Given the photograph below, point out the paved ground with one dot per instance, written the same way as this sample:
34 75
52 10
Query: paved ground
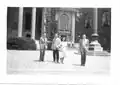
26 62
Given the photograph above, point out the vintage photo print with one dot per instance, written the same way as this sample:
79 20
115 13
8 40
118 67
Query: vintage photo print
58 40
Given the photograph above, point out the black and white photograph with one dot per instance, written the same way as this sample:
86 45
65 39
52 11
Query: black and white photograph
58 40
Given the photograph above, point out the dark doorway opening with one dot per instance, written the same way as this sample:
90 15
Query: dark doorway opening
28 21
38 23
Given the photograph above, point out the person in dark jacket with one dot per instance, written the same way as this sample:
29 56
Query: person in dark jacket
56 44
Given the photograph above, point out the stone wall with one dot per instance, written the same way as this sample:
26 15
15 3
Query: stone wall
104 31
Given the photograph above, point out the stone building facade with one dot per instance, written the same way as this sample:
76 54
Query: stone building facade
68 22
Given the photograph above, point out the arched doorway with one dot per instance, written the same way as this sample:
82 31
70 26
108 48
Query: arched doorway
64 22
64 26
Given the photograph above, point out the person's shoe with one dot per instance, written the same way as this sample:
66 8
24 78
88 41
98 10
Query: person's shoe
82 64
41 60
55 62
58 62
62 63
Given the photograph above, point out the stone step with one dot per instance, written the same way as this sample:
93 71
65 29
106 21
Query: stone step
95 46
98 53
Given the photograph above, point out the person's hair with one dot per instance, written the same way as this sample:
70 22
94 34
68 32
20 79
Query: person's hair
84 35
57 34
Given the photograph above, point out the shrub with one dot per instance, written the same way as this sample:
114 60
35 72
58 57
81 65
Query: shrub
20 43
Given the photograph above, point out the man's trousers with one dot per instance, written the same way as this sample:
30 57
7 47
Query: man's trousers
83 57
56 55
42 54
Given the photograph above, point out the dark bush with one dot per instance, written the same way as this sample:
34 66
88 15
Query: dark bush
20 43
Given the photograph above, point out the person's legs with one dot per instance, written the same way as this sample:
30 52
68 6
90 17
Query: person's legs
81 58
84 59
53 55
62 59
41 55
63 55
57 54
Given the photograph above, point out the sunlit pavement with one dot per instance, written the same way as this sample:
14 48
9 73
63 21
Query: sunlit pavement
26 62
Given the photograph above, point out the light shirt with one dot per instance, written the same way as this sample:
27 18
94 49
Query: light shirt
85 42
57 42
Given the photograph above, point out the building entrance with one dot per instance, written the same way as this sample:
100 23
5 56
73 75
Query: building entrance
28 21
64 25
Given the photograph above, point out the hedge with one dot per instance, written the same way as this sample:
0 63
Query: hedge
20 43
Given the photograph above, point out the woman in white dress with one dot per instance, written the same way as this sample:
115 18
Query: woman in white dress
64 58
62 50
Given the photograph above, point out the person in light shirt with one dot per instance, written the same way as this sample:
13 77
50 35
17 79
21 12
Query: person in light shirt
84 43
56 44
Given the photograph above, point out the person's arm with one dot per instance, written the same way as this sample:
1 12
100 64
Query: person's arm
46 43
87 45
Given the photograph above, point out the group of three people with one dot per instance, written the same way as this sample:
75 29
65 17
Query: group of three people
57 47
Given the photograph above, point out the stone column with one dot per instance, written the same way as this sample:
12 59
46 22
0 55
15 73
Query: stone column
42 21
95 22
20 22
33 23
73 27
44 15
95 45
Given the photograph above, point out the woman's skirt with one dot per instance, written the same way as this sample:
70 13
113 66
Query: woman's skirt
62 52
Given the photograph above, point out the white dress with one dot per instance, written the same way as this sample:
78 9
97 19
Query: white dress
64 53
63 49
68 60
